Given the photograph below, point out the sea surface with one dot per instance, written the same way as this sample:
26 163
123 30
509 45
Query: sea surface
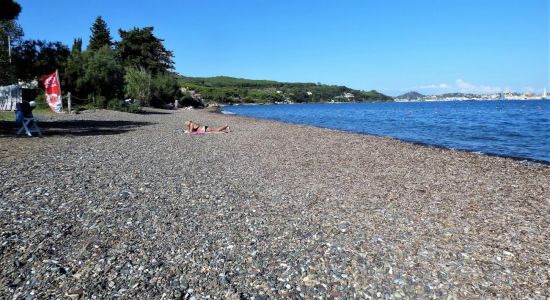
517 129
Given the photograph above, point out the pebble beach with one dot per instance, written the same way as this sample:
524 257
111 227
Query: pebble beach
116 205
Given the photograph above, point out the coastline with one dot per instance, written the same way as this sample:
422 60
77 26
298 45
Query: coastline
270 209
530 158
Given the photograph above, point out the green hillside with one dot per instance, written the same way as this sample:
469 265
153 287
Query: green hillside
411 96
229 90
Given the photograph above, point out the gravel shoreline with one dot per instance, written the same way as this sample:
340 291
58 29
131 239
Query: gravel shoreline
116 205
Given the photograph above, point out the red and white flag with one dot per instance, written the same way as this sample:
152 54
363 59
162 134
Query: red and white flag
53 91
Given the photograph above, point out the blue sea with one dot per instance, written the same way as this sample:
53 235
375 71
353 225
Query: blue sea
517 129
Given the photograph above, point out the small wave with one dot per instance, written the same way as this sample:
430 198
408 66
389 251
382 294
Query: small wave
225 112
459 126
534 163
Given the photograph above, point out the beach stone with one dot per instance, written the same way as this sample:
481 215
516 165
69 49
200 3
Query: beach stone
115 205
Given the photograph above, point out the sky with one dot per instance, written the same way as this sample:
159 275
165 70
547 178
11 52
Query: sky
392 46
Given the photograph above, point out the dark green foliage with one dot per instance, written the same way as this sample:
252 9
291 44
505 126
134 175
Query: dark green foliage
164 89
225 81
223 89
133 108
119 105
102 75
74 70
100 35
10 10
7 70
94 74
34 58
77 46
375 96
139 48
137 85
188 100
263 96
98 102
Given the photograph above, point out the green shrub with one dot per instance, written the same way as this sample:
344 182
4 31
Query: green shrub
100 102
116 105
164 89
138 85
133 108
119 105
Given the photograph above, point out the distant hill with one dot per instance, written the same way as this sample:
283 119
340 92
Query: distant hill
411 96
230 90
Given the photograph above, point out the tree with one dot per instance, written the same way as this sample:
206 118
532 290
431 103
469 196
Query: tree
12 32
100 35
77 46
10 10
139 48
34 58
9 30
138 84
164 89
103 74
74 70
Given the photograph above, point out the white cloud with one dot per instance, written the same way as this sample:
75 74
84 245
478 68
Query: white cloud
462 86
435 86
466 87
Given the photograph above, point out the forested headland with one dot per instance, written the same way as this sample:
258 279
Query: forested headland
222 89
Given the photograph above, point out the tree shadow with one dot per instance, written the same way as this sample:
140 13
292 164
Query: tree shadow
149 112
75 127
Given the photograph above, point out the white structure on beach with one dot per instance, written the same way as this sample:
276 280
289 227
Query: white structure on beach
9 96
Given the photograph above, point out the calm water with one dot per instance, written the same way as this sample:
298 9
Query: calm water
519 129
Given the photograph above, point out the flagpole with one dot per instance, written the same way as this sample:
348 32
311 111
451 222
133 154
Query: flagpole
59 83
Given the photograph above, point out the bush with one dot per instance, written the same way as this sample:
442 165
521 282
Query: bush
119 105
133 108
164 89
138 85
102 75
188 100
100 102
116 105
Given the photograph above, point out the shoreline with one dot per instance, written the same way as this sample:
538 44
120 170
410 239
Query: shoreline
523 160
139 209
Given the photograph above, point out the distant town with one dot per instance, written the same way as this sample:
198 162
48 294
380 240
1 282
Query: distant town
415 96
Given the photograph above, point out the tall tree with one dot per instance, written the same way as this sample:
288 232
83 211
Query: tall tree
138 85
9 30
100 35
103 74
139 48
75 69
34 58
77 46
10 35
10 10
164 89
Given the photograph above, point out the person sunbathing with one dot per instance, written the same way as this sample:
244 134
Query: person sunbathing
192 127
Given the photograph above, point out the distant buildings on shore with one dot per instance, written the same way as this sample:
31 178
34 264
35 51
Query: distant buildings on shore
415 96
